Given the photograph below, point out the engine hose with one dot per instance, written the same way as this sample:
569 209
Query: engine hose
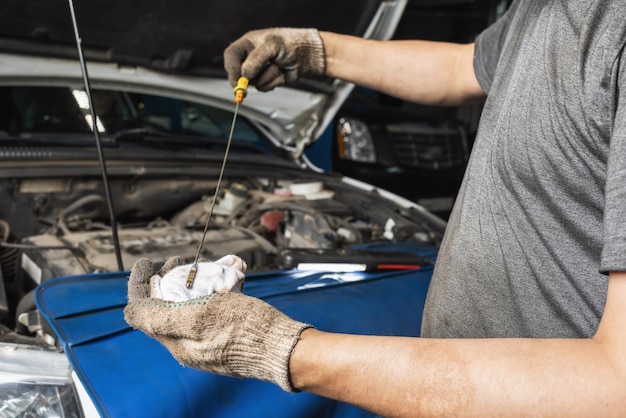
8 263
238 210
85 200
6 229
8 255
26 304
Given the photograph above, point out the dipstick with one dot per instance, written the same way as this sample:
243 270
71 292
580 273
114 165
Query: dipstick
241 90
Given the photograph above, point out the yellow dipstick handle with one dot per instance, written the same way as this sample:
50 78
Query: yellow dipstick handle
241 89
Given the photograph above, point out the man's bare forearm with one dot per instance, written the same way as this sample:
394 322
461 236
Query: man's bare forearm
408 377
398 376
426 72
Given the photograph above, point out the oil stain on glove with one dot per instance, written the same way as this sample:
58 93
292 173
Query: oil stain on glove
271 57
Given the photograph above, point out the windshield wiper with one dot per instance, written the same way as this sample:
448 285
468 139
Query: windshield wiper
139 133
79 139
153 136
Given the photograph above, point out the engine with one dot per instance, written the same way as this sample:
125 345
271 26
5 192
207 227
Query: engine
61 227
253 218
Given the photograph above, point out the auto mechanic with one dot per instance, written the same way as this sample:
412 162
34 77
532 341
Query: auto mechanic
525 314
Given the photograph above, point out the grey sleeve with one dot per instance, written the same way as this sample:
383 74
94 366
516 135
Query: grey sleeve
614 250
489 45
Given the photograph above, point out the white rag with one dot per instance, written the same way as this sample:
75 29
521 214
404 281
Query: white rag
224 275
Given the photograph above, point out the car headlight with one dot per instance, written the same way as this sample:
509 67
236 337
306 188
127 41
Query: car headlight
355 141
36 383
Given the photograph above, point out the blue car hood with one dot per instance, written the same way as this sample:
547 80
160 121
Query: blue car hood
128 374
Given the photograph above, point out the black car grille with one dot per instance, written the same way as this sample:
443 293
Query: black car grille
428 147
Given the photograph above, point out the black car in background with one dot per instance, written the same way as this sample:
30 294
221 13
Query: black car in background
418 152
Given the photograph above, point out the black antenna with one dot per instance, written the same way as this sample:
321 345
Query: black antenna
94 128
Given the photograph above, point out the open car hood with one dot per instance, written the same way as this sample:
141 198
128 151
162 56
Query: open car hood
178 45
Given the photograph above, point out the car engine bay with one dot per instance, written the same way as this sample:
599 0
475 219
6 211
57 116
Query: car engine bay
58 226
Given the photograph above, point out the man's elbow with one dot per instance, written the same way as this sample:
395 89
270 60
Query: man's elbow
465 89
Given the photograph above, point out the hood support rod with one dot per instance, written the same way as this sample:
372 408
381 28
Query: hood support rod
94 128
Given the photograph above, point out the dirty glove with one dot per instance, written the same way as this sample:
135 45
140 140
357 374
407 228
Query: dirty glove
272 57
225 333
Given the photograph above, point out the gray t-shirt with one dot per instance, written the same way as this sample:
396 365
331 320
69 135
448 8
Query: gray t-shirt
541 214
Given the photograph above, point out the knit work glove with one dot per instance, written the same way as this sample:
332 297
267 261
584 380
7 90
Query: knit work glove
271 57
225 333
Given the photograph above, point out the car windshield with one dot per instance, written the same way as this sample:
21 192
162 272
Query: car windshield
41 110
